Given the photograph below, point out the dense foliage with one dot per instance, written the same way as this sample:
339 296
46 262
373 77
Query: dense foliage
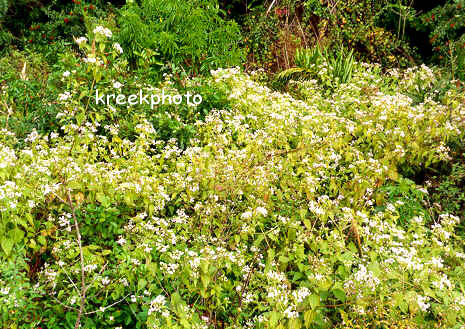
191 34
446 27
329 195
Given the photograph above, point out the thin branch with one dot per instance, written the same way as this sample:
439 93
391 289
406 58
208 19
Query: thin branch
269 8
64 305
111 305
59 198
83 277
69 278
95 279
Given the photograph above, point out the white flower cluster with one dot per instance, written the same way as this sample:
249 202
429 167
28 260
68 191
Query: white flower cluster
7 157
81 40
65 96
442 283
258 211
301 294
10 191
92 60
157 304
145 128
361 280
423 302
65 221
103 31
118 47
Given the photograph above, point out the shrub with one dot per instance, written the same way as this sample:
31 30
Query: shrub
357 25
47 26
448 192
271 217
446 27
191 34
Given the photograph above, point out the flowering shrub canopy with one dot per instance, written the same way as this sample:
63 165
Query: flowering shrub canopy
272 217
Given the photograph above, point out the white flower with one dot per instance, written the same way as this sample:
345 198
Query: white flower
117 85
390 207
437 261
66 74
64 96
156 304
422 303
290 314
5 291
118 48
262 211
301 294
105 281
103 31
246 215
81 40
91 60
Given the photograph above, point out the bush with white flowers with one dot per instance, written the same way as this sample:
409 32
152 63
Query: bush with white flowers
272 216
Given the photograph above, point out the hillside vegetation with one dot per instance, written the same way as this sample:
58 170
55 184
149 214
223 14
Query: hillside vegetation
327 192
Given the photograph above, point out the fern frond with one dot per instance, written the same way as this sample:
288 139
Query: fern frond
3 8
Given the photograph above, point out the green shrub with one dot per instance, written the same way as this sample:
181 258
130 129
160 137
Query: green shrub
48 26
409 199
448 192
253 209
17 294
358 25
27 95
446 27
189 34
261 35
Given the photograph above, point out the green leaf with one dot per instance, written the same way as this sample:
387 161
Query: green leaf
314 301
16 235
294 324
41 240
176 299
103 199
274 318
403 305
7 246
141 284
105 252
340 294
451 316
185 323
309 317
